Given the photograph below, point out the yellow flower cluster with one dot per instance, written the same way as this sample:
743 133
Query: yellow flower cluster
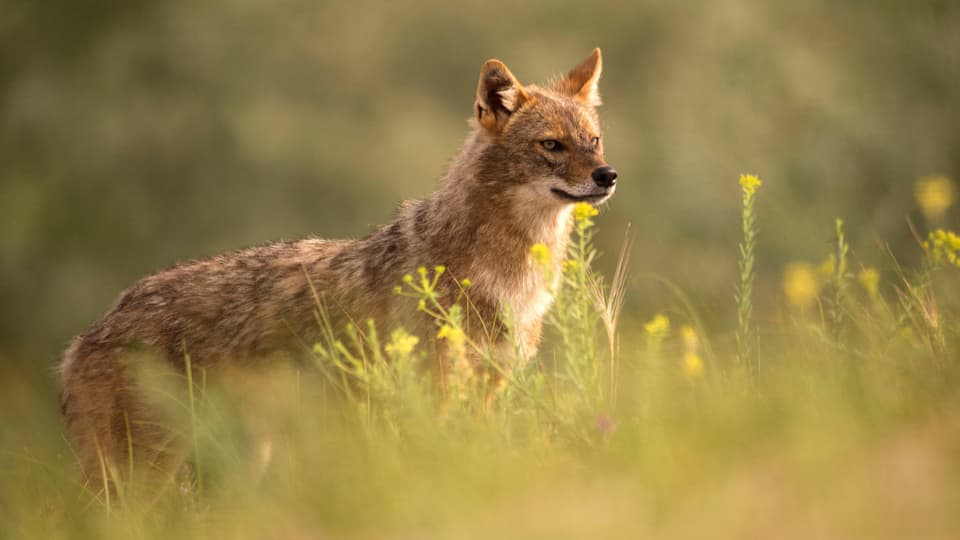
401 343
583 212
943 246
541 254
749 183
692 362
800 284
452 334
934 195
692 365
658 327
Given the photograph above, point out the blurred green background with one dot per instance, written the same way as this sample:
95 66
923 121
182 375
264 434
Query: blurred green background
137 134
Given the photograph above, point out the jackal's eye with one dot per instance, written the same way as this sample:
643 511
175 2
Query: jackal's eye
551 145
595 141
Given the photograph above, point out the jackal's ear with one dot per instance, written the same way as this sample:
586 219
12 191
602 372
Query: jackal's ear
499 94
581 82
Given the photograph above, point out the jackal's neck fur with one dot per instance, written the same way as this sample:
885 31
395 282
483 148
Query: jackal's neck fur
484 232
490 226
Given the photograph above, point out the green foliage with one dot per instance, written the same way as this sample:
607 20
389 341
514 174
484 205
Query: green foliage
581 364
839 280
746 337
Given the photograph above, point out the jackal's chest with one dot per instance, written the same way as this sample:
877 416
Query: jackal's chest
529 306
522 301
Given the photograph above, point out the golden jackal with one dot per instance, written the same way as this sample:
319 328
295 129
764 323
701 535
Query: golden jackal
533 152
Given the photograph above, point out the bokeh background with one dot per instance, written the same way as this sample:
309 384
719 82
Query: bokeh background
137 134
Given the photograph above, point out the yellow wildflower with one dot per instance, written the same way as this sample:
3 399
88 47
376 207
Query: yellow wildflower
934 195
869 278
583 212
943 247
749 183
440 269
401 343
692 362
658 327
569 265
800 283
407 278
541 254
692 365
422 305
452 334
465 283
422 271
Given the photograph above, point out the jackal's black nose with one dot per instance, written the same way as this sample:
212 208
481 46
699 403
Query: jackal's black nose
605 176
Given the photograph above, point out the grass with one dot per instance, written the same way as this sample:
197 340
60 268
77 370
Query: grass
849 430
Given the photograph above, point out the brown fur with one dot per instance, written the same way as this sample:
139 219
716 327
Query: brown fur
241 308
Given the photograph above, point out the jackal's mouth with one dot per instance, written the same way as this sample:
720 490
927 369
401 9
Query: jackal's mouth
589 197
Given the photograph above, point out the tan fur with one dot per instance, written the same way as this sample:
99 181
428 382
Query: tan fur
255 305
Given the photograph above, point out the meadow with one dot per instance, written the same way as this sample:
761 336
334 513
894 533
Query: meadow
838 419
776 358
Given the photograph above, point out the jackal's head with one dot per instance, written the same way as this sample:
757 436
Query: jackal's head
544 142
